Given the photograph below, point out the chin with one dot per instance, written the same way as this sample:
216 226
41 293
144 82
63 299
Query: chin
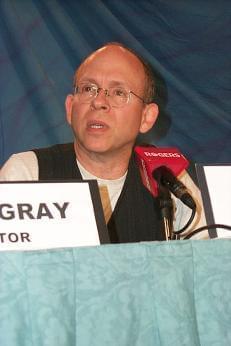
97 148
97 144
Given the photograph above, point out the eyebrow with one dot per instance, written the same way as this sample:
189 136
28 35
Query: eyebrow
88 80
111 83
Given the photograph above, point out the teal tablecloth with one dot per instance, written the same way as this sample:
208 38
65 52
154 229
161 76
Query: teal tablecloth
160 293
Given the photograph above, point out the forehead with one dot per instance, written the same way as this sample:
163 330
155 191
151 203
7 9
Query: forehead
113 63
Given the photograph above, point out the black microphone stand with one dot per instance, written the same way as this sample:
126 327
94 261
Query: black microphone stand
166 209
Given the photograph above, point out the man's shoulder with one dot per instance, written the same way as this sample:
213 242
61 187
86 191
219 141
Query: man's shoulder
57 162
20 166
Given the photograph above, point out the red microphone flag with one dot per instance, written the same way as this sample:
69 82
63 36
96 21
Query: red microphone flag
150 158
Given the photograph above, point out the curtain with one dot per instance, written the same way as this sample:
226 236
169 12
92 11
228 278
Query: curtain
187 42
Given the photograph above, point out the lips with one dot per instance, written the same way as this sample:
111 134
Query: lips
96 125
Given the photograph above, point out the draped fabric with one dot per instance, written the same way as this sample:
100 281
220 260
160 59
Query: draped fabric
148 294
187 42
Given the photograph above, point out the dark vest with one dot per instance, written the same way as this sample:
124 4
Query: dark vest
136 216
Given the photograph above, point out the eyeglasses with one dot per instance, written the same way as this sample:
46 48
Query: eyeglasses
118 96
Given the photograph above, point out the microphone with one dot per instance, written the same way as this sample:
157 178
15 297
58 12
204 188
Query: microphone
162 166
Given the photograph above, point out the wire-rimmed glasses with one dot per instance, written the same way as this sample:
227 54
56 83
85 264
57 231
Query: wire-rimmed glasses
117 95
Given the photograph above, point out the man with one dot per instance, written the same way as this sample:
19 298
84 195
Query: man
112 103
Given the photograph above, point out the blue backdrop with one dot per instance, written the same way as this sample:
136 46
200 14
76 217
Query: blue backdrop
188 42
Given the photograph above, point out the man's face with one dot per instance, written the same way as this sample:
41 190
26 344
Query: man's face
99 127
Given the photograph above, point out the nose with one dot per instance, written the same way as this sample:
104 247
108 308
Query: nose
101 100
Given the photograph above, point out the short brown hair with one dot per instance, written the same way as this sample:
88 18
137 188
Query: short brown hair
150 87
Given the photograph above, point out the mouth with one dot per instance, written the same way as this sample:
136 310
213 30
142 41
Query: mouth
96 125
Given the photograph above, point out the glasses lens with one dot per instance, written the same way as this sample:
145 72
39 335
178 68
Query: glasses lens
118 96
86 92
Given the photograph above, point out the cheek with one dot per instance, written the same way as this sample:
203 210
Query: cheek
129 126
132 118
77 113
74 119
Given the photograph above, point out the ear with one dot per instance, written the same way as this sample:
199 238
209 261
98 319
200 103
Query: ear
149 116
68 106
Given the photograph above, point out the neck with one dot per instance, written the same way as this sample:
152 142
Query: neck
105 166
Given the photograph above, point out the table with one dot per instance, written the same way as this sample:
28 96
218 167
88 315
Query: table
139 294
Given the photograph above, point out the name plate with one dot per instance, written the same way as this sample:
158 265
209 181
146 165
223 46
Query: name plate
43 215
215 185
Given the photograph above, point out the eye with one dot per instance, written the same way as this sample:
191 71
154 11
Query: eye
88 88
119 92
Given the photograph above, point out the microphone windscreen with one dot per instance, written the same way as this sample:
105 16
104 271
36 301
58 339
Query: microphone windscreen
150 158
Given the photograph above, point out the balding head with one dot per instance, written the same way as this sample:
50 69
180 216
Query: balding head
123 53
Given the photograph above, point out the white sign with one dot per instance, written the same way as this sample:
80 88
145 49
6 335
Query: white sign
42 215
217 200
